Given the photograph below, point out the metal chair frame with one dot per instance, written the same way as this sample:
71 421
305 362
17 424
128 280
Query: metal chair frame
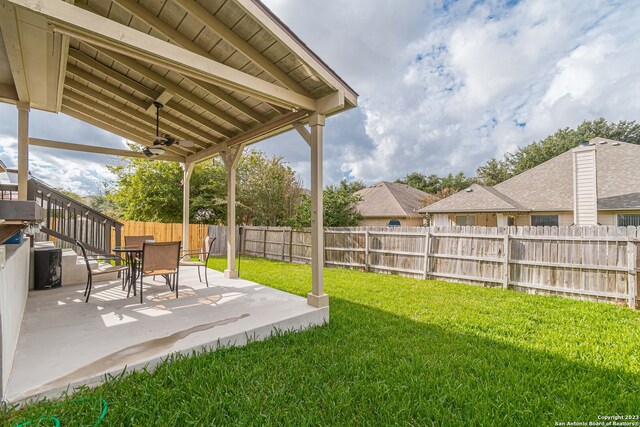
91 273
199 264
172 277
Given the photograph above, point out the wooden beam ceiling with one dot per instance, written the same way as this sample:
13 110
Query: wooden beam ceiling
103 32
168 124
111 116
272 126
78 111
241 45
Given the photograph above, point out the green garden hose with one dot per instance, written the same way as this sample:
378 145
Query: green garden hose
56 420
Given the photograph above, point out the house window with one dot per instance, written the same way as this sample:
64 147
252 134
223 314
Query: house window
464 220
511 221
628 219
544 220
394 223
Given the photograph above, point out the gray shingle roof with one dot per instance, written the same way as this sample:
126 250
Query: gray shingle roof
390 199
549 186
476 198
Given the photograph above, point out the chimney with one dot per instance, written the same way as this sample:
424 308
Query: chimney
585 191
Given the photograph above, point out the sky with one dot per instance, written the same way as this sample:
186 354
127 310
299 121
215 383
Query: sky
444 86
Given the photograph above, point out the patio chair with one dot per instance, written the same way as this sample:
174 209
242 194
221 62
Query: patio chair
91 273
203 261
137 240
161 259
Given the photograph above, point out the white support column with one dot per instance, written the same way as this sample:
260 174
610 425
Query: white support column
317 297
23 149
186 179
231 157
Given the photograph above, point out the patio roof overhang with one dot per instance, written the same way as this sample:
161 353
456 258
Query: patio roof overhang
228 72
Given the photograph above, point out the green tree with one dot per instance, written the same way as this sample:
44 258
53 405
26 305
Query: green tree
495 171
101 203
339 204
147 190
455 182
352 186
340 207
267 192
433 184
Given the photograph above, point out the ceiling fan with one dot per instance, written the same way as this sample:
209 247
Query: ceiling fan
164 140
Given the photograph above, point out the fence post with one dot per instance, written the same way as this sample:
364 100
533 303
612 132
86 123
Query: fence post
283 244
264 243
366 249
244 245
291 244
505 263
427 249
631 273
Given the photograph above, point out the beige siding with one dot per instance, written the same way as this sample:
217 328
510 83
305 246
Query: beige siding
448 220
607 218
440 220
382 222
585 193
487 220
565 219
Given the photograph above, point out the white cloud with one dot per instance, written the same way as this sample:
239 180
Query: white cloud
443 86
485 78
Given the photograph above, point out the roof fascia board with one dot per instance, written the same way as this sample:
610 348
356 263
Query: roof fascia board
473 211
284 34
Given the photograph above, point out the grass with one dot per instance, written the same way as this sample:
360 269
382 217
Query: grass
397 351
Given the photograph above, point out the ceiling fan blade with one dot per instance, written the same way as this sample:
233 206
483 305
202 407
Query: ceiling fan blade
187 143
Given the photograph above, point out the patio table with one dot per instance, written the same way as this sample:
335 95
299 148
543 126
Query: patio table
132 258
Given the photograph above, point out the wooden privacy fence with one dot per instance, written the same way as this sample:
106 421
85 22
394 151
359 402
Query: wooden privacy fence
165 232
598 263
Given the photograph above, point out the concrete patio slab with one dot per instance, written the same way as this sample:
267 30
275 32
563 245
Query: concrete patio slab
65 342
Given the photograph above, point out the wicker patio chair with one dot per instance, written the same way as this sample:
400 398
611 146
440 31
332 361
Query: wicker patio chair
161 259
203 261
91 273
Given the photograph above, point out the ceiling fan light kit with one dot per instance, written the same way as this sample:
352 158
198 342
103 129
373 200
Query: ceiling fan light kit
153 151
164 140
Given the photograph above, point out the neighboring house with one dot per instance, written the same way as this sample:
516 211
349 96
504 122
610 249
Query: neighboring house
392 204
597 183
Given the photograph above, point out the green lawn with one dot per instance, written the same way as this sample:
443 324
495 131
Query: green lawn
397 351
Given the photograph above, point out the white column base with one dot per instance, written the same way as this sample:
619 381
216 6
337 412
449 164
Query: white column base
230 274
318 301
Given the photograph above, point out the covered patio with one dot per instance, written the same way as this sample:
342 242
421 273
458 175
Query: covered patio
226 74
67 343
